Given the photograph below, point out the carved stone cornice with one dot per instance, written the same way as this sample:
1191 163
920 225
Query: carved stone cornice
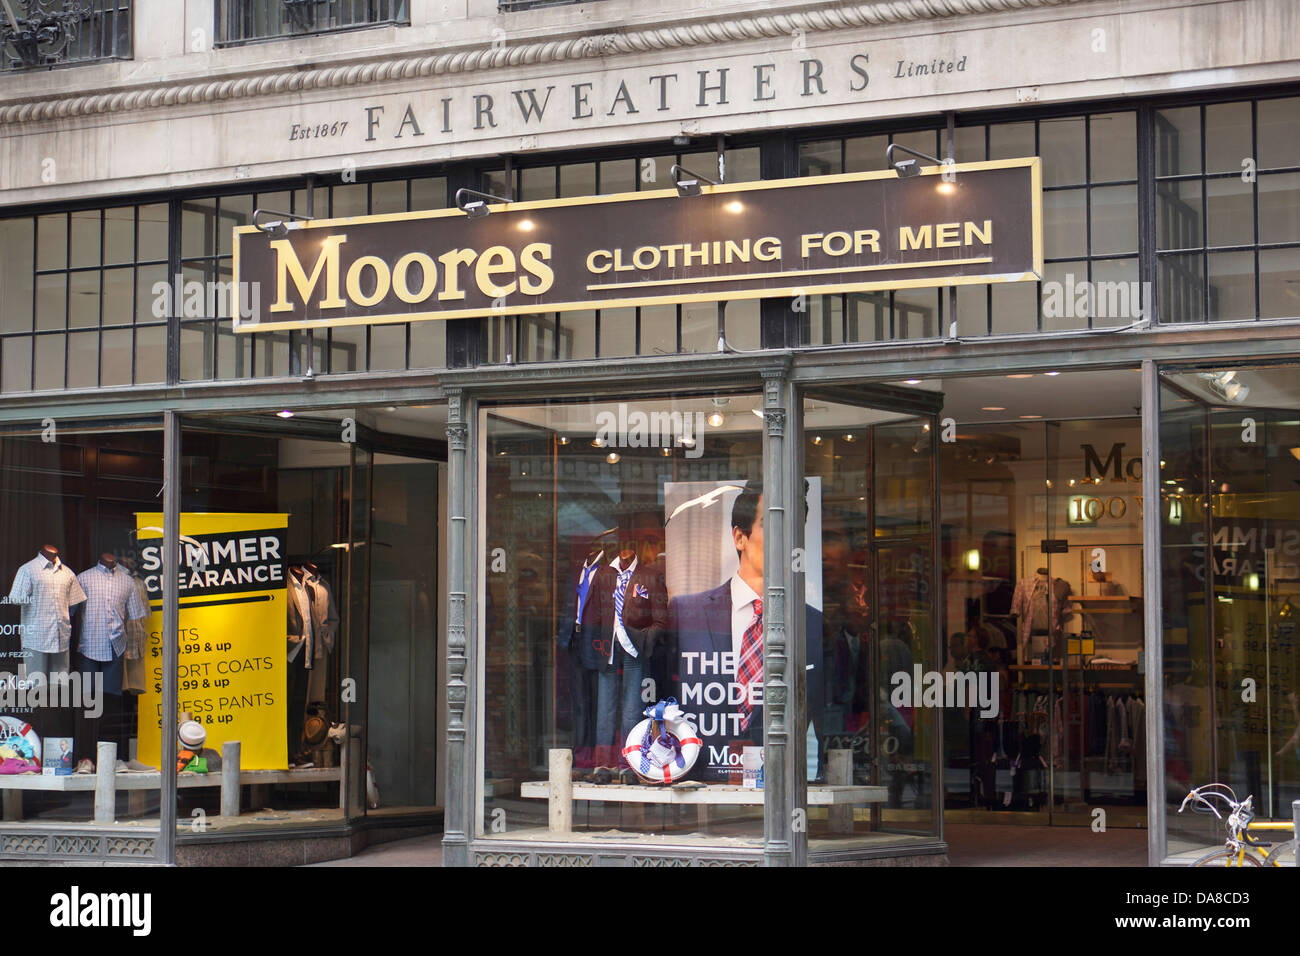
484 57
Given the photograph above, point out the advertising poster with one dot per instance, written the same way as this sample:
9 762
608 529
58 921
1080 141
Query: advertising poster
708 578
232 671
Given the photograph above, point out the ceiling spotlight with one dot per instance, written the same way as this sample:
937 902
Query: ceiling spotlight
850 438
716 419
598 442
284 414
276 228
911 381
735 206
1226 377
666 452
993 408
613 457
1022 375
817 440
688 187
474 204
1051 373
565 439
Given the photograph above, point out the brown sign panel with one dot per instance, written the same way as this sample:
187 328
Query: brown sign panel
968 223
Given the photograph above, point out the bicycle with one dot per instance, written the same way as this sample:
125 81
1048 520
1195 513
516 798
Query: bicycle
1241 848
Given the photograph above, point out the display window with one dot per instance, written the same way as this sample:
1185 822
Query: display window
78 731
1230 541
308 627
622 632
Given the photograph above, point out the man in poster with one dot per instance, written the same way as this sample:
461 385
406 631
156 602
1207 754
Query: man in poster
719 645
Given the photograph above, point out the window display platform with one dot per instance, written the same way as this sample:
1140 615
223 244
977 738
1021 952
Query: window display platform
106 788
709 794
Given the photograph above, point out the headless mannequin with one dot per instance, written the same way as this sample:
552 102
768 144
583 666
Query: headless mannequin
49 552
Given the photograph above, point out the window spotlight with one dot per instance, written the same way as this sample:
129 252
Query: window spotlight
688 187
474 204
907 168
276 228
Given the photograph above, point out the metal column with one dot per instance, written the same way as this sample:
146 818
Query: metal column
777 769
165 848
1153 643
455 841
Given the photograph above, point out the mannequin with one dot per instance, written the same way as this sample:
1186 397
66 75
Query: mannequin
111 601
137 636
579 621
1041 608
48 591
312 625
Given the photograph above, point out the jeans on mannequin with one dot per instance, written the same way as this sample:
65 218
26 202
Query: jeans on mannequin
618 707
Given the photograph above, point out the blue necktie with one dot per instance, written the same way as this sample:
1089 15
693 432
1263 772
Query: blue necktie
619 632
584 587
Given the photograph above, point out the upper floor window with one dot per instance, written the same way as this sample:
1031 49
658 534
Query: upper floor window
239 21
45 33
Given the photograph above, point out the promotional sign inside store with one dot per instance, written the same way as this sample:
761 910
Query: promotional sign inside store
961 224
232 669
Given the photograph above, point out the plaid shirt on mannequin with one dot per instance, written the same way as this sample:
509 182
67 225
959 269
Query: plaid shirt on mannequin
47 590
111 601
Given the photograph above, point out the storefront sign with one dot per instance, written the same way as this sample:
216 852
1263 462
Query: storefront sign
959 225
232 634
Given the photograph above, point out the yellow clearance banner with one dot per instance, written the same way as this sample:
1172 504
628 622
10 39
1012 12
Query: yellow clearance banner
232 671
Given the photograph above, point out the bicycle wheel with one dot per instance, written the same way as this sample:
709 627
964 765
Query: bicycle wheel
1227 858
1282 854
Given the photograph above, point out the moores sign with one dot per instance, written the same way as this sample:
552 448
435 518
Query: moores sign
975 223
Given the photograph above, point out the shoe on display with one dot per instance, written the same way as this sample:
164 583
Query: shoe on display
86 766
138 767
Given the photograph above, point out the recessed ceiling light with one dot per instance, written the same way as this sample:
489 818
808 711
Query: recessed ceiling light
993 408
1022 375
284 414
912 381
1031 416
565 439
613 457
1051 373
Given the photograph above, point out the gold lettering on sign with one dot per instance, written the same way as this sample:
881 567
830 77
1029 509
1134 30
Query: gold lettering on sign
288 266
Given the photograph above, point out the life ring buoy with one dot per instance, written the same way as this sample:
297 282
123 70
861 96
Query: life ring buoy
16 727
663 747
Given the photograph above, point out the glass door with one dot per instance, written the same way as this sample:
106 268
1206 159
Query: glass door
1230 450
873 635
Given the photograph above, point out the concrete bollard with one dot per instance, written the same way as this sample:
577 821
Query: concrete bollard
105 785
839 773
560 802
230 778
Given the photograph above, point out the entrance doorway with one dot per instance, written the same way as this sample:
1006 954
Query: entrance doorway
869 460
1018 501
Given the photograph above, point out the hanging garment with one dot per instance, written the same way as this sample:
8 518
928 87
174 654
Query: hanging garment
1138 721
1039 609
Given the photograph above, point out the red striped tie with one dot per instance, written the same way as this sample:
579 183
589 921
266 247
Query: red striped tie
749 669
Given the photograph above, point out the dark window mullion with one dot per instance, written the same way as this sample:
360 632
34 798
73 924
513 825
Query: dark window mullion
1254 191
1205 229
